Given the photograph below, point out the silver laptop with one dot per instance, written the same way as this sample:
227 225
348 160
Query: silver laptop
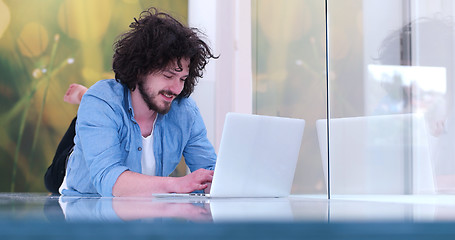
387 154
257 157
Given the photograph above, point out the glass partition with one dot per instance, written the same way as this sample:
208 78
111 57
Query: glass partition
389 84
289 75
391 97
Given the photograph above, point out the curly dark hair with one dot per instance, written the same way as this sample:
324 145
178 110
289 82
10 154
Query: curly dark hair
155 41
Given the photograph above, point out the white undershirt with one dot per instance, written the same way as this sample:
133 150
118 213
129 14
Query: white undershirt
148 157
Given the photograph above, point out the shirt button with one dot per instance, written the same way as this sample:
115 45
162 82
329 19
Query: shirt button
139 149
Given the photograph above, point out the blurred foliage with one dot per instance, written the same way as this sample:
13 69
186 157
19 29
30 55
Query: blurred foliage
45 46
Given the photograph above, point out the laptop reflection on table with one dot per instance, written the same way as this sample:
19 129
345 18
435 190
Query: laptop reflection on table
387 154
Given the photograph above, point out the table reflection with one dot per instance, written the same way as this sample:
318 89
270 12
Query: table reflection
36 215
303 208
193 210
130 209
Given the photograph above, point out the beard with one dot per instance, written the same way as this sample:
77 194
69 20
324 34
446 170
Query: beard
149 99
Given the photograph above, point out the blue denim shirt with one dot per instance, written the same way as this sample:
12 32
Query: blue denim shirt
108 140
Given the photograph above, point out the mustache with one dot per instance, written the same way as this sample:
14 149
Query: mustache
167 92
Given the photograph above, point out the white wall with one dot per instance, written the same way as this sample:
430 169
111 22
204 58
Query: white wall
227 82
377 26
201 14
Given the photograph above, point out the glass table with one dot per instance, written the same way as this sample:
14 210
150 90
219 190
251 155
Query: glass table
39 215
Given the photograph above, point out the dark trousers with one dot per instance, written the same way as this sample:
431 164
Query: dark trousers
56 172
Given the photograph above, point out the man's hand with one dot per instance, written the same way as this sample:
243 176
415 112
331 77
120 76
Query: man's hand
197 180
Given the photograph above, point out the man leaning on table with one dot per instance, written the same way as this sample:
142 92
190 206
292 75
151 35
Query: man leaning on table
131 132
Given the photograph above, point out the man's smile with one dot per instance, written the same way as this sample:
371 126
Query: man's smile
168 96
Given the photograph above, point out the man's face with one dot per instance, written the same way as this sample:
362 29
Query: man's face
159 89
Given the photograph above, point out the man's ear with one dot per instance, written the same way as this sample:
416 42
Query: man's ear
140 78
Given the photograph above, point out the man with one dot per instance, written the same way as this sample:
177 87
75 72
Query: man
131 132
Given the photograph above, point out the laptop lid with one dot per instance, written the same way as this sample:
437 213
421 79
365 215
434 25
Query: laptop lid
257 156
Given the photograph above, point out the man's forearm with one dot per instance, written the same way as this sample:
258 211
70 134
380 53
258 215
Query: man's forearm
135 184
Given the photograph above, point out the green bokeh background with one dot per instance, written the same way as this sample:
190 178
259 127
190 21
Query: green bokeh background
45 45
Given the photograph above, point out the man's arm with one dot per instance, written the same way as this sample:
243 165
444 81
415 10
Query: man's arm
135 184
199 152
